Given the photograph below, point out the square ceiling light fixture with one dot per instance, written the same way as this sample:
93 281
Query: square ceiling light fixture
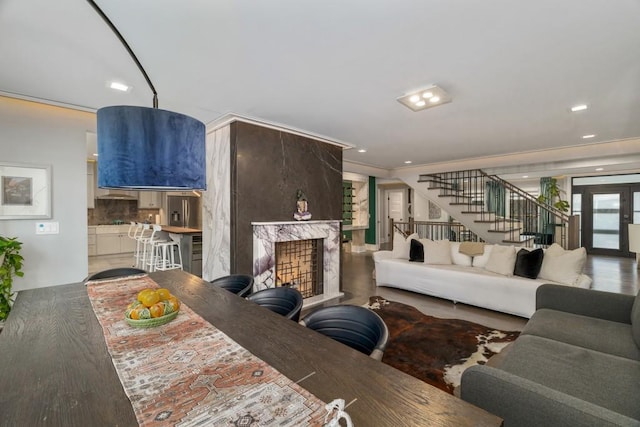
425 98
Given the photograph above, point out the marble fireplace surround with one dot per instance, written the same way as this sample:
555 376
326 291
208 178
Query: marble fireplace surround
265 236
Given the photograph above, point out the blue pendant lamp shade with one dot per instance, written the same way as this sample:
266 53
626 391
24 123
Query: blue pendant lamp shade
142 148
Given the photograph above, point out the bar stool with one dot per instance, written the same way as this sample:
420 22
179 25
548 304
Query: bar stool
142 236
150 248
165 254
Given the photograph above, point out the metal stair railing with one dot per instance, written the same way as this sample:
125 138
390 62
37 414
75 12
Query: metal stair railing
507 208
434 230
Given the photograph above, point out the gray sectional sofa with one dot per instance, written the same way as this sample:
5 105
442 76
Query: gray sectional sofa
576 363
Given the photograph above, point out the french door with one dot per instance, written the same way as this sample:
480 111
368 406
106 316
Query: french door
606 212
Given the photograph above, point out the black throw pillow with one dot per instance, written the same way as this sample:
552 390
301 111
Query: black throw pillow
416 251
528 263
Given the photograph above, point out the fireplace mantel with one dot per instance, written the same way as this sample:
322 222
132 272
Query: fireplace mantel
265 236
315 221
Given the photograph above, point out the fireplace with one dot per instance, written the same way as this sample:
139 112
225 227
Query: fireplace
303 254
299 264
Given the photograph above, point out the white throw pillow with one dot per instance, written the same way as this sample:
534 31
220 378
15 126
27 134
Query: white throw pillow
481 260
563 266
437 252
457 257
402 245
502 260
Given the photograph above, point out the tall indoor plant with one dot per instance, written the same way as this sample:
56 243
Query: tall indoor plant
551 194
10 265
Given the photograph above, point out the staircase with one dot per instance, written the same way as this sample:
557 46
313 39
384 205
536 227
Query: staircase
494 209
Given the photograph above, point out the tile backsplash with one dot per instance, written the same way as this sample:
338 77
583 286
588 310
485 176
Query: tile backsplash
107 211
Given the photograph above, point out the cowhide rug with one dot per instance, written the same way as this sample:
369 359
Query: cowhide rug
435 350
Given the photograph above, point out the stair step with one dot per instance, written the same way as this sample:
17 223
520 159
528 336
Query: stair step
438 182
427 178
523 239
479 205
458 196
489 221
443 188
506 230
473 212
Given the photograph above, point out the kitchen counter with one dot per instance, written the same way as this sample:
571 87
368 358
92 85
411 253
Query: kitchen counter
190 246
180 230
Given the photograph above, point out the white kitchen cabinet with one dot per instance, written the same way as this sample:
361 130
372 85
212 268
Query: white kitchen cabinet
108 244
113 239
91 241
91 185
149 200
127 244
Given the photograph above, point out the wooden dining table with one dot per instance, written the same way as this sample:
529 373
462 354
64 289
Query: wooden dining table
55 369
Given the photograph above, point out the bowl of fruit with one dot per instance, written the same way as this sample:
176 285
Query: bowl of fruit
153 307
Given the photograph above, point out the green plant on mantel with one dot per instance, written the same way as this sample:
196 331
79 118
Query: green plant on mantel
10 265
554 193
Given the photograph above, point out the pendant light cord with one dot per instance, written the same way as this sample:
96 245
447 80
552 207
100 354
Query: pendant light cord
126 45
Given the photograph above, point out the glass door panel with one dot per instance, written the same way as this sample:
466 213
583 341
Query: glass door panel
606 221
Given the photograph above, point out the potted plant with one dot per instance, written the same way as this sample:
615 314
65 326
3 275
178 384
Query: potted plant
10 265
554 193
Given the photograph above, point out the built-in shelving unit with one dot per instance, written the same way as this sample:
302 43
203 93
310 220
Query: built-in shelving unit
348 194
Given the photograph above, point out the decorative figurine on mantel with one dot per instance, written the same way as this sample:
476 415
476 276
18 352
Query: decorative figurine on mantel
302 211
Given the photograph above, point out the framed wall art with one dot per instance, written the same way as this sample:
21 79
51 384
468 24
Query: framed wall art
25 191
434 211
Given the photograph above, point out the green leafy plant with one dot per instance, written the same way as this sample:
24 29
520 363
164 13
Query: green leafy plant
554 193
11 266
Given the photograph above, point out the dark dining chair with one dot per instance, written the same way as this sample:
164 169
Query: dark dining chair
358 327
113 273
282 300
239 284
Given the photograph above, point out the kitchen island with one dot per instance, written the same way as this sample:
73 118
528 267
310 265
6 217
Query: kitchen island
190 246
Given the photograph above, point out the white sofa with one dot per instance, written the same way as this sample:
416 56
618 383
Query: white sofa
466 280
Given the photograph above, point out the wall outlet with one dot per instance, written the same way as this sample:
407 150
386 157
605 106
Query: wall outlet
50 227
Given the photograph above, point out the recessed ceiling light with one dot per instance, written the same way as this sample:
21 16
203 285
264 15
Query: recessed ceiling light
362 150
119 86
579 107
588 136
416 99
407 162
525 176
599 169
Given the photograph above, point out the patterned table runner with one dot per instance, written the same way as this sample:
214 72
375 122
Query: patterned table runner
189 373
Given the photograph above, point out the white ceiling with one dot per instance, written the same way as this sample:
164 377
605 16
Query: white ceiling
335 68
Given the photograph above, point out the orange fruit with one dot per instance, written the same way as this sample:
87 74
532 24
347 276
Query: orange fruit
150 298
134 314
157 309
164 293
175 304
144 292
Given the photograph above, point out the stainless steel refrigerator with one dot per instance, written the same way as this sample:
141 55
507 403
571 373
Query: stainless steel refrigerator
184 211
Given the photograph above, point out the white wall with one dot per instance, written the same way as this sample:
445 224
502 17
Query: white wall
46 135
421 209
